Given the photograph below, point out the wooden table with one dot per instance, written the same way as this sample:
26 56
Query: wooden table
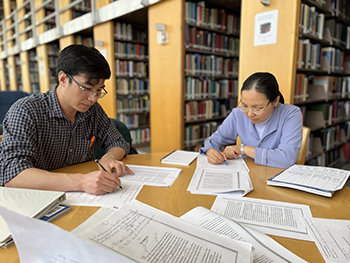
176 200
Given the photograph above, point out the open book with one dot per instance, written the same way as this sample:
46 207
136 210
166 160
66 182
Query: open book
313 179
27 202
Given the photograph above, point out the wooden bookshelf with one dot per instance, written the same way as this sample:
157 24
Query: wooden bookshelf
174 63
325 81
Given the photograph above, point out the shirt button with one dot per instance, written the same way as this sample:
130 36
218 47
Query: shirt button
70 150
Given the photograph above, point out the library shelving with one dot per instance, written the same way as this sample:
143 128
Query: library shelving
322 85
131 73
18 64
33 71
211 69
194 77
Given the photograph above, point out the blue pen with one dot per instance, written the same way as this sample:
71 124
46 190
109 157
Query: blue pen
216 149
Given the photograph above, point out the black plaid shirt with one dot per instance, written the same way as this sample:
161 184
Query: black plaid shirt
37 134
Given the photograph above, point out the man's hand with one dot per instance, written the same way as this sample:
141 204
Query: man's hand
99 182
113 165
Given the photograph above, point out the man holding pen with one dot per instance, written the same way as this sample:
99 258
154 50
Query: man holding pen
61 127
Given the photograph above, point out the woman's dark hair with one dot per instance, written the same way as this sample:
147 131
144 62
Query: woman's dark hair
265 83
76 59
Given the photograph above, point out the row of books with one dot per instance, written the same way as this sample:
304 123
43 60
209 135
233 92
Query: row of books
196 133
334 87
132 86
311 56
126 31
140 136
133 105
214 18
327 159
131 69
204 110
341 8
333 112
34 77
133 121
340 33
52 61
212 65
211 41
311 22
204 88
331 137
130 50
53 49
83 40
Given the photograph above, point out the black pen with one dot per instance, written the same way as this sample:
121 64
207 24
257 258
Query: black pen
105 170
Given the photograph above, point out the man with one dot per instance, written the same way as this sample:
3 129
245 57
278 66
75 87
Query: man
51 130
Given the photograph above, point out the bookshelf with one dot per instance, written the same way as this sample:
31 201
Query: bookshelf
131 72
193 78
322 86
33 71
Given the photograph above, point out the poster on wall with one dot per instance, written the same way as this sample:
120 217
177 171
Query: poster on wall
265 31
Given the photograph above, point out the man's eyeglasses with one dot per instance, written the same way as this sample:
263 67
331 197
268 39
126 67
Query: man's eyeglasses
254 110
90 93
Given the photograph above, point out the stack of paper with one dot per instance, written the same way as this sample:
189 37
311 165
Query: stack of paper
27 202
180 157
313 179
220 179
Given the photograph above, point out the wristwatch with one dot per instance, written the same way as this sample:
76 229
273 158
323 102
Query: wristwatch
242 149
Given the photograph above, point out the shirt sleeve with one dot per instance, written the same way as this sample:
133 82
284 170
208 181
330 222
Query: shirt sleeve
225 134
286 153
18 144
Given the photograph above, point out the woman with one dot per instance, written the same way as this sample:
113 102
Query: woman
270 131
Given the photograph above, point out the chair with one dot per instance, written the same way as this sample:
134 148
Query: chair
7 98
124 131
303 146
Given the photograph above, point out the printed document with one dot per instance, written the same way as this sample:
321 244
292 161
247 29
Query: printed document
150 175
265 248
40 241
269 217
314 179
180 157
145 234
332 238
116 199
220 179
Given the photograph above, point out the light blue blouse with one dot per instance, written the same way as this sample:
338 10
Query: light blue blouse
279 144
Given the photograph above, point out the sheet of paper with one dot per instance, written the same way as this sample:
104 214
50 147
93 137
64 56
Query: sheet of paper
332 238
145 234
265 248
150 175
238 164
220 179
40 241
269 217
97 217
180 157
116 199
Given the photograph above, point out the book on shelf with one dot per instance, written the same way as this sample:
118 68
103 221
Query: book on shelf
324 181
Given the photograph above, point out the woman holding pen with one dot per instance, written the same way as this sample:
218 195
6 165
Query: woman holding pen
270 131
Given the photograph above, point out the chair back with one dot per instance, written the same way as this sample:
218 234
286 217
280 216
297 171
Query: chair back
303 146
